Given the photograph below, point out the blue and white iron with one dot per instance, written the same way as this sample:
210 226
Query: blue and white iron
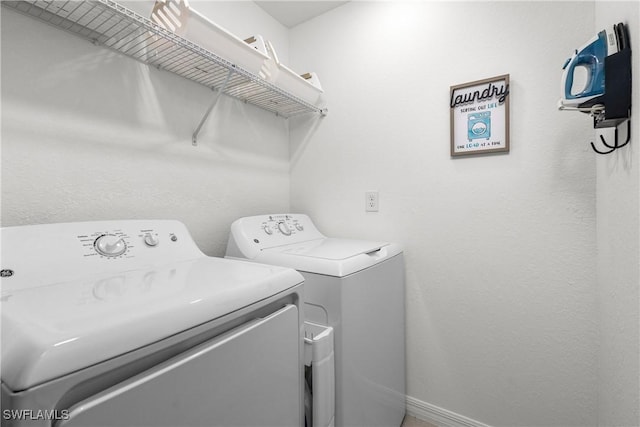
588 63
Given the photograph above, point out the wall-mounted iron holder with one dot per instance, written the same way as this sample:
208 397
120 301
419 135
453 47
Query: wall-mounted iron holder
616 98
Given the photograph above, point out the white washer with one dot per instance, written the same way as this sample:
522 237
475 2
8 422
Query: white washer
128 323
356 287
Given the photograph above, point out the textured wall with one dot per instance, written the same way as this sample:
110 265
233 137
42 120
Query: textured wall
618 213
88 134
500 250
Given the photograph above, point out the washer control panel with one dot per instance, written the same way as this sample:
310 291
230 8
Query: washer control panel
285 225
255 233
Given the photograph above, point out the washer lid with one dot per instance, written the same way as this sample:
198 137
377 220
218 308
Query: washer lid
54 329
329 256
330 248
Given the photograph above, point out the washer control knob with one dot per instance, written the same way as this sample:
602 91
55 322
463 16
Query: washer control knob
110 245
151 240
267 230
284 228
299 226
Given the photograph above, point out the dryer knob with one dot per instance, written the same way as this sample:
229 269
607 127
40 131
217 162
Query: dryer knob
110 245
151 240
299 226
267 230
284 228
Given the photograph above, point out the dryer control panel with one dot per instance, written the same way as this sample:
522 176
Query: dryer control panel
127 242
252 234
71 250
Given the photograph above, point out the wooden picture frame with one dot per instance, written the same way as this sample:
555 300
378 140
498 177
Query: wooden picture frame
480 116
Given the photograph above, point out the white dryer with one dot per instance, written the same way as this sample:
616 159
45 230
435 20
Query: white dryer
354 286
128 323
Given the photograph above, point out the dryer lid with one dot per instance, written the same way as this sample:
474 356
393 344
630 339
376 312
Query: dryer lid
54 329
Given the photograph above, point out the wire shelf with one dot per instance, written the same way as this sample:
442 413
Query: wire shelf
109 24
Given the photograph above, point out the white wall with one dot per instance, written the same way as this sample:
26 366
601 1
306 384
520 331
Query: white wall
618 231
500 250
503 322
90 135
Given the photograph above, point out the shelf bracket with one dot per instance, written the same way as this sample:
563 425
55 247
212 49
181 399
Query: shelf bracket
221 89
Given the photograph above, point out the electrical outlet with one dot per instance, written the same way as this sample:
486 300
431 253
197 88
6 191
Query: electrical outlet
371 201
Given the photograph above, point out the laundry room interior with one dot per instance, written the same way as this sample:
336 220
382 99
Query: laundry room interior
521 267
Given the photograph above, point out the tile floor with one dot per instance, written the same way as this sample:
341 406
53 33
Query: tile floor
410 421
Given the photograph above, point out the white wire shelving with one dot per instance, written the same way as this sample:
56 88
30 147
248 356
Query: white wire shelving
109 24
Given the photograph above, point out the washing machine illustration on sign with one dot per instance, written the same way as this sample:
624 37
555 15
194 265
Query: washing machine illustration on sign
479 125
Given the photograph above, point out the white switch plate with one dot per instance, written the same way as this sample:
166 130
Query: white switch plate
371 201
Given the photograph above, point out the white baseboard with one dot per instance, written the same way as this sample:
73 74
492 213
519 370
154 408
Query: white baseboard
438 416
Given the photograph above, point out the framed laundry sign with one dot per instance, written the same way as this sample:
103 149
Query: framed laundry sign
480 116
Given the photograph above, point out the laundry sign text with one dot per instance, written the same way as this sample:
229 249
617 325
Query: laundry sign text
480 116
490 92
